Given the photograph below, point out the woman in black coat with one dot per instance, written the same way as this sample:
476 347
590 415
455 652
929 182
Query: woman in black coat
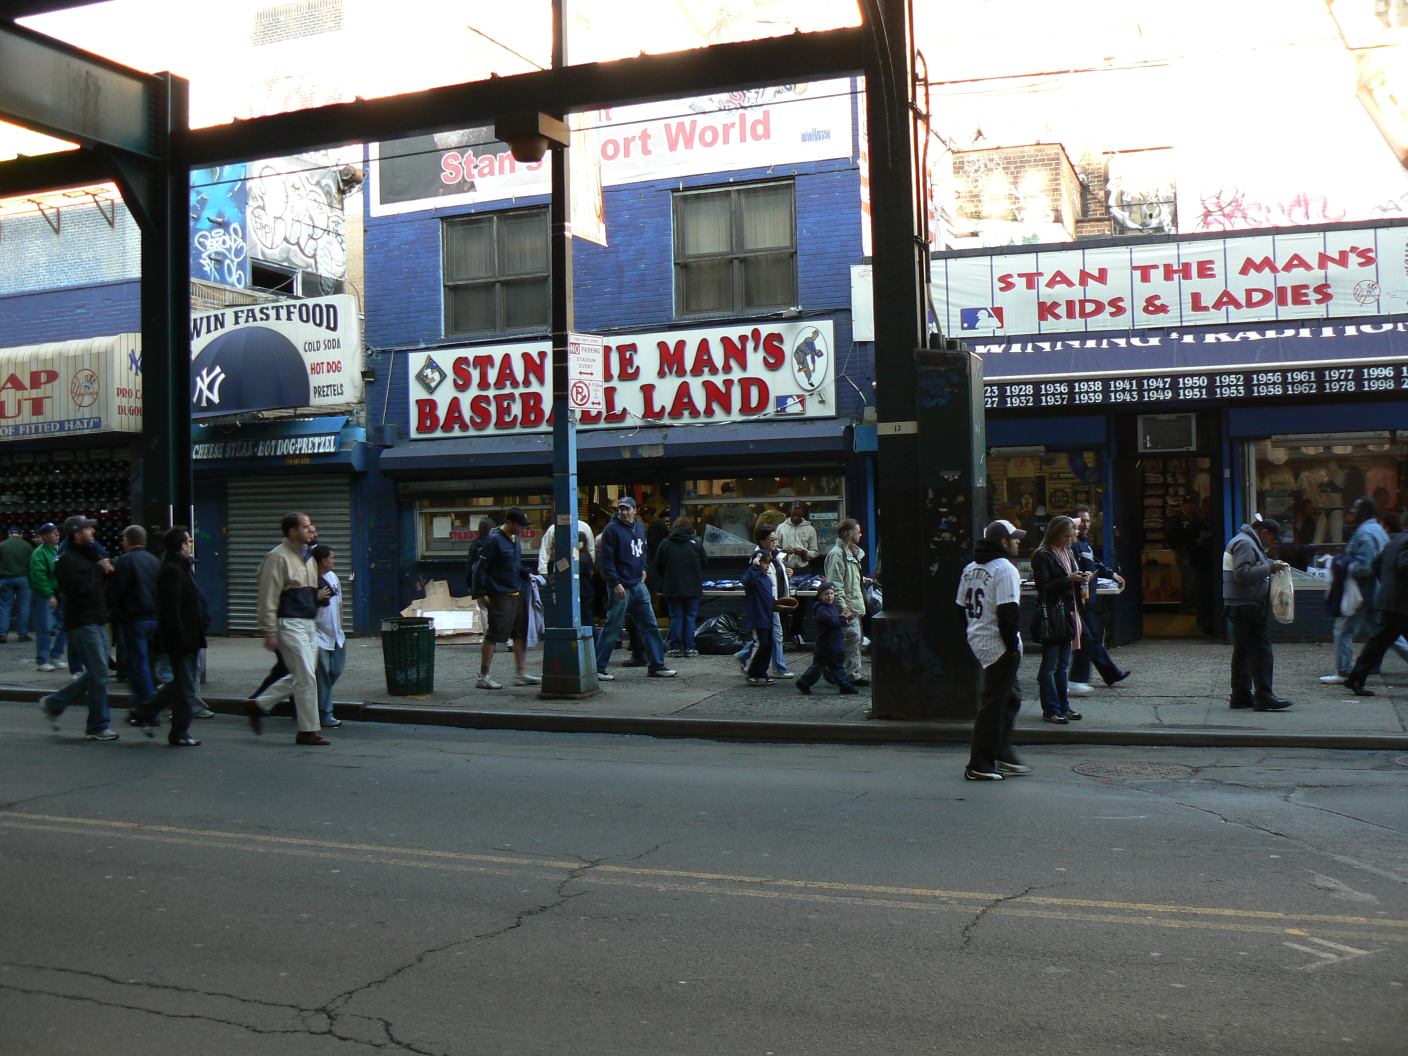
182 619
1059 587
679 568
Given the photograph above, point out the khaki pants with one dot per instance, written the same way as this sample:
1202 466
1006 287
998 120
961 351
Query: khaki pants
298 645
851 637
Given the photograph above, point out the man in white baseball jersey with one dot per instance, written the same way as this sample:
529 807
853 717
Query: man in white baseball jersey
989 592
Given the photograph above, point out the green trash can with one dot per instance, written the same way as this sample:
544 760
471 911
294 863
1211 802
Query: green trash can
408 651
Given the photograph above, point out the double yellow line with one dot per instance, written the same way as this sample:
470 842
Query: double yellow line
734 885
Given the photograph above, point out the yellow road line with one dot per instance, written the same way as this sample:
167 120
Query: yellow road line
729 884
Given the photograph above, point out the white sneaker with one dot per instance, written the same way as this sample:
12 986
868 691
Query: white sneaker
527 680
1079 689
783 674
605 676
1333 680
46 667
485 682
1013 769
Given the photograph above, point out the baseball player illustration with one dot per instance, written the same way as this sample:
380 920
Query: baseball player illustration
806 355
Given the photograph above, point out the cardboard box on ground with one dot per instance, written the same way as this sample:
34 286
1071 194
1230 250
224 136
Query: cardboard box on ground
456 619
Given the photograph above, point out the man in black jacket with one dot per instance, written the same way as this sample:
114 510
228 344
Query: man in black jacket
132 604
1391 599
81 572
182 620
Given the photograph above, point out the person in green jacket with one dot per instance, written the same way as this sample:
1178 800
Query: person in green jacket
14 583
843 568
44 585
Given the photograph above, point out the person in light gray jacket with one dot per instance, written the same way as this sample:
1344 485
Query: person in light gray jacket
1246 593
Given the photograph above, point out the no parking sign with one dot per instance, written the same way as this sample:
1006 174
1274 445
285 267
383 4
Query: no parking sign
585 383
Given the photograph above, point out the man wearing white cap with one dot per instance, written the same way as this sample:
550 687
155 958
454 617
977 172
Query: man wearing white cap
989 592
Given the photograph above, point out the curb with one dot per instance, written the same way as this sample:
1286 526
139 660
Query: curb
872 731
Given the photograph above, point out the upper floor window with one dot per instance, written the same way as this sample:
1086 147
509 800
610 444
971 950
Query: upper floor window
496 273
735 249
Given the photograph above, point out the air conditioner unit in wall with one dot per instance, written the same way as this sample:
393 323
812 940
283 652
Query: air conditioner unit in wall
1159 433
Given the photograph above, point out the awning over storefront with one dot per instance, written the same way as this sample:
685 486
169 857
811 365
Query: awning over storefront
1367 356
717 443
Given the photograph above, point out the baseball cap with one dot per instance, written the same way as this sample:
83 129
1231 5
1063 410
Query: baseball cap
78 521
1267 524
1000 530
625 502
47 526
825 584
517 516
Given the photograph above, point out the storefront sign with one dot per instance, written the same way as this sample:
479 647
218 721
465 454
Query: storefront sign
1261 278
586 372
288 354
88 386
1368 357
755 128
277 447
678 377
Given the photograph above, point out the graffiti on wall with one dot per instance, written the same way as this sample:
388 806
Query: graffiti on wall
296 216
1234 209
1141 193
218 202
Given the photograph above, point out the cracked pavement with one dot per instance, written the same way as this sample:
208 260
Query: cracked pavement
443 892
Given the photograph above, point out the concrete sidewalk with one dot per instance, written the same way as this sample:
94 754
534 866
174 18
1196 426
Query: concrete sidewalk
1177 695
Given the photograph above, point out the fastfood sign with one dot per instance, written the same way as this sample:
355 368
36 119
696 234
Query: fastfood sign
1259 278
677 377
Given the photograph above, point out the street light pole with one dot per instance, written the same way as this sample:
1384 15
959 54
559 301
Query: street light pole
569 659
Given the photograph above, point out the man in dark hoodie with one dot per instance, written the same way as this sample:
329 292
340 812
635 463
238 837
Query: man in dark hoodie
132 604
829 649
621 558
81 571
989 593
1246 591
499 581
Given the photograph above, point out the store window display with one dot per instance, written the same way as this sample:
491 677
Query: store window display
1307 483
729 511
1030 489
447 524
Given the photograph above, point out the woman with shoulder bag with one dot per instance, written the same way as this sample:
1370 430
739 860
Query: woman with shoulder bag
1057 625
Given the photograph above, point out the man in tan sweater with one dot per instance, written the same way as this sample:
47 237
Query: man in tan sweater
289 596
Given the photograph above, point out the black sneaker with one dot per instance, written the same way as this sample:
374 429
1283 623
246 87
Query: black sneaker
1272 703
663 672
806 691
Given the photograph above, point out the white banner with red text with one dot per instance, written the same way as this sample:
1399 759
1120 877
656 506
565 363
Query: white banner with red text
92 385
743 372
1259 278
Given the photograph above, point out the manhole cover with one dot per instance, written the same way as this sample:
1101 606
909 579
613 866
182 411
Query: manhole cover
1134 770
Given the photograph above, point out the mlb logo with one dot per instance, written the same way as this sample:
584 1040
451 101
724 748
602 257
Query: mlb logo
980 318
790 405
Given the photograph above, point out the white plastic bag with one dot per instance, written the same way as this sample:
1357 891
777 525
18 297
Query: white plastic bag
1351 597
1283 597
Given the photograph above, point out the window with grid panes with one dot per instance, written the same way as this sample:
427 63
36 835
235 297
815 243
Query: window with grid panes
735 249
497 273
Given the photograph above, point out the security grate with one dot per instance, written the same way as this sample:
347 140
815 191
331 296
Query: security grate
1134 770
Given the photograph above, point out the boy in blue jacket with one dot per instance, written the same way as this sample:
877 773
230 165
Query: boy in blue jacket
758 599
829 650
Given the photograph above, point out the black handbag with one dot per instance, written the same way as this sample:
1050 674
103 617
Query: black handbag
1052 622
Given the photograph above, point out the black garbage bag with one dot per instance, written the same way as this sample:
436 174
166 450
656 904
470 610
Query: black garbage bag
874 598
721 635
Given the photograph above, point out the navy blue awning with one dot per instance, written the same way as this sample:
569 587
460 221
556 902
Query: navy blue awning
716 442
1312 342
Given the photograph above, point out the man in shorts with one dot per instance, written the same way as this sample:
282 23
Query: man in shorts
498 582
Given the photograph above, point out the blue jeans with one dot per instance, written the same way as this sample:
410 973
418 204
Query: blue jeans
14 591
779 665
683 614
1051 678
178 694
87 645
1346 627
49 638
637 602
331 663
136 659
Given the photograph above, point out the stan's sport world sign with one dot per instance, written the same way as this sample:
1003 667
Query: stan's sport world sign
742 372
1204 282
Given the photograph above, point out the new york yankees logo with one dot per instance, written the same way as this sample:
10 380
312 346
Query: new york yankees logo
208 384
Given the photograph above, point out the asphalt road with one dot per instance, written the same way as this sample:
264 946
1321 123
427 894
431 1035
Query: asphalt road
440 891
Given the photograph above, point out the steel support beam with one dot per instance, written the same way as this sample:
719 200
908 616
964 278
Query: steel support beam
930 446
55 88
777 60
52 172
